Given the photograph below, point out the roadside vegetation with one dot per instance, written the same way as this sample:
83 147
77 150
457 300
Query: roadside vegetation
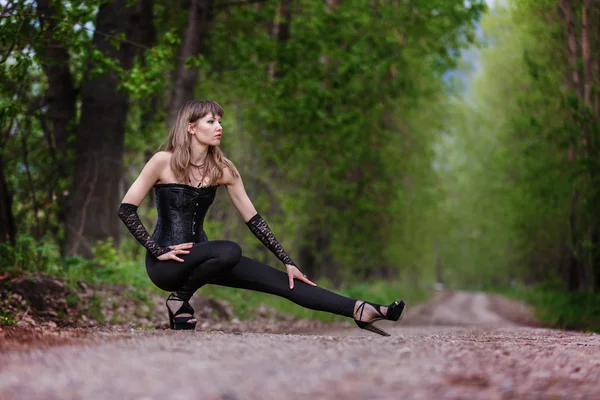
390 148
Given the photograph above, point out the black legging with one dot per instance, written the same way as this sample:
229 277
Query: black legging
220 262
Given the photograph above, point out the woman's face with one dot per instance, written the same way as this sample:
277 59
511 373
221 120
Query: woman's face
207 130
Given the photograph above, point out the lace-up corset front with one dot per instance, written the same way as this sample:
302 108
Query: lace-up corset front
181 211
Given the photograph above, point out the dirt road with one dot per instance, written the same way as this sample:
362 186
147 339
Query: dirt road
458 346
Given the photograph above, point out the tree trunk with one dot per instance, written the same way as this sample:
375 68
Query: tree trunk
575 277
587 55
60 98
99 146
7 222
595 67
572 46
61 95
590 144
307 262
439 277
185 79
316 261
279 27
596 59
574 83
147 38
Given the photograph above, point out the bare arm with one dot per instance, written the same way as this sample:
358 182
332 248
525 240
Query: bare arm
260 229
128 209
237 194
148 177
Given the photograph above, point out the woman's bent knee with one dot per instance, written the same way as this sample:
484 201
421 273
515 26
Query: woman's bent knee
231 252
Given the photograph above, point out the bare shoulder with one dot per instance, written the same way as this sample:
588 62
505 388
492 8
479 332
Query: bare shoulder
161 157
152 173
159 161
230 176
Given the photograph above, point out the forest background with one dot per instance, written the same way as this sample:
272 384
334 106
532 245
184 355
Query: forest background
389 144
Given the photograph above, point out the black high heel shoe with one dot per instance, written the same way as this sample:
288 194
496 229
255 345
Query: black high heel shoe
395 312
176 322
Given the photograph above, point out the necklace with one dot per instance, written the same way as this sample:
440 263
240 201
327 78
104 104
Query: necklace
197 166
199 180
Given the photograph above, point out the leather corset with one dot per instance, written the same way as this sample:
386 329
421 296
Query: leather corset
181 211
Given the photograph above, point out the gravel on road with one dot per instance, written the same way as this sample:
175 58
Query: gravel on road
483 360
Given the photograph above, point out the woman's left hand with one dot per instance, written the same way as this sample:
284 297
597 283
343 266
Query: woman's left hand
294 273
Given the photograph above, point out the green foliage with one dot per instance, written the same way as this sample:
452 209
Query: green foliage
147 76
94 309
108 265
510 185
6 316
327 110
35 170
333 127
360 154
559 309
30 255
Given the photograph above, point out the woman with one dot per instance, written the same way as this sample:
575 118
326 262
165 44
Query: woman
181 259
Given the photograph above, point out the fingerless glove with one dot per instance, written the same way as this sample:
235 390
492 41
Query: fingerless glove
129 216
261 230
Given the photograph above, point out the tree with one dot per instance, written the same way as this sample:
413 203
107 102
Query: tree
100 134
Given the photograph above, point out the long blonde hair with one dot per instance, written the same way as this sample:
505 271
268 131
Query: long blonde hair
179 143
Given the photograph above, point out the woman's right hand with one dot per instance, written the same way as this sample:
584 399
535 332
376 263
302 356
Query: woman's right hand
177 249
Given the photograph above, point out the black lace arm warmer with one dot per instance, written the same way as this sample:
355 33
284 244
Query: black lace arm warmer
129 216
261 230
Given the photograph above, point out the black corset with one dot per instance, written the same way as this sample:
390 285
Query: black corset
181 211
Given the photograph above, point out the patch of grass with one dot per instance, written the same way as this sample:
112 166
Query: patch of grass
117 319
557 308
140 295
245 302
109 265
30 255
6 317
95 309
72 300
8 311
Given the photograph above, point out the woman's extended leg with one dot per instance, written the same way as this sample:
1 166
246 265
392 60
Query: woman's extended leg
253 275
